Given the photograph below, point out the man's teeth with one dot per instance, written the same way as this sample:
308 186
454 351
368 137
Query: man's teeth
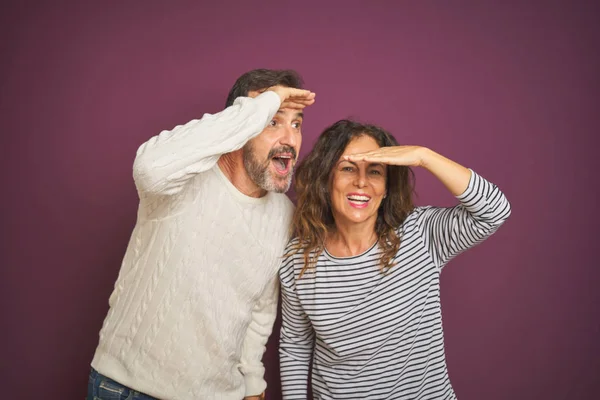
359 198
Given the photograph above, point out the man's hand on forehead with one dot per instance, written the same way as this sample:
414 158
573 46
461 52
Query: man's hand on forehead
293 98
290 97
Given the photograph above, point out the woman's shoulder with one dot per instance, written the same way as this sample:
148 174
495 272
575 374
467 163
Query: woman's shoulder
293 251
292 244
294 256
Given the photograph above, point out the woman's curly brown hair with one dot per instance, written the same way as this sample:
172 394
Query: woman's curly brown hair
313 219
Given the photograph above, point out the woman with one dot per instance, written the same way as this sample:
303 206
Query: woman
360 283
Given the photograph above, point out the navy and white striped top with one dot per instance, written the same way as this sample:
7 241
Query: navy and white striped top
375 335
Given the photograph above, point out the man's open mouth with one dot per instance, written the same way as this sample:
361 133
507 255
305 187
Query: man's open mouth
282 163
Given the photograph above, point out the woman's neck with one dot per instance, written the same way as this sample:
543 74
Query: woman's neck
351 240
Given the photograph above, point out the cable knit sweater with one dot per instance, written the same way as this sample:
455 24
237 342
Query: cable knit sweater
196 295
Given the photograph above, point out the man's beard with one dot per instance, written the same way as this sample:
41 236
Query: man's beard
261 173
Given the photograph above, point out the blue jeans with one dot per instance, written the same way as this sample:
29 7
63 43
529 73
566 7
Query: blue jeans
101 387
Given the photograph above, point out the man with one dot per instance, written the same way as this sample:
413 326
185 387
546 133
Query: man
196 296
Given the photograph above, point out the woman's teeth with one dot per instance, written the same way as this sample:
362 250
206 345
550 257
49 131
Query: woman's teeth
362 199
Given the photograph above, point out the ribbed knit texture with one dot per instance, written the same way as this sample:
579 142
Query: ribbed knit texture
196 296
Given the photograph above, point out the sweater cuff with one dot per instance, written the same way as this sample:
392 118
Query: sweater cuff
255 385
269 99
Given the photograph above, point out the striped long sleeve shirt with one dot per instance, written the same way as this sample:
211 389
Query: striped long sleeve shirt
372 335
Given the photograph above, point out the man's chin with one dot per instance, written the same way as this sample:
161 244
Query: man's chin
281 188
280 184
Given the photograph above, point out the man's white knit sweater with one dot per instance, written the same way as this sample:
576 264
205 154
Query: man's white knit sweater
196 295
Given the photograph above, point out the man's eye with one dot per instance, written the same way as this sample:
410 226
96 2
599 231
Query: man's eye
273 123
376 172
297 125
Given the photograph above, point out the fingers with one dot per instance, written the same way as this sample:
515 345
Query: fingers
296 104
293 106
299 93
385 157
293 95
372 155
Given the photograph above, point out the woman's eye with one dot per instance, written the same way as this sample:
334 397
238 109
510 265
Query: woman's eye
375 172
273 123
347 169
296 125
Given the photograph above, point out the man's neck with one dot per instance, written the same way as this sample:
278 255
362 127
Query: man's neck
232 165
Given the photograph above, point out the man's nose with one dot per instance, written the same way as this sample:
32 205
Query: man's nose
290 137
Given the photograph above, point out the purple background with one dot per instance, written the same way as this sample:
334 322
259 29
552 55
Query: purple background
510 89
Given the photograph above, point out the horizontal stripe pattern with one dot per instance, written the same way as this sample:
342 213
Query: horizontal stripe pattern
371 335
